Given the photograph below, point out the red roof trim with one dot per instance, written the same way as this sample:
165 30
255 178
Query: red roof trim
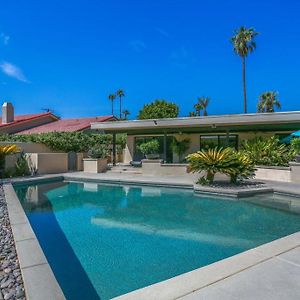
67 125
37 116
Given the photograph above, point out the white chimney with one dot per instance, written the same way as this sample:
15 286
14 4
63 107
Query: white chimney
7 113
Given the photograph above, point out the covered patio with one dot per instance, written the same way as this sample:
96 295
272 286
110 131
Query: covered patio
209 131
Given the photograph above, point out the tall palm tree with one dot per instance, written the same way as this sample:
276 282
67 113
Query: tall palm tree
204 101
126 113
198 107
112 98
243 44
120 93
268 101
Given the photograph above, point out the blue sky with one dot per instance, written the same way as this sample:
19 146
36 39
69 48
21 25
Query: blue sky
69 55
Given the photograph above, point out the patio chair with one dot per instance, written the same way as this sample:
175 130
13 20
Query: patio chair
137 160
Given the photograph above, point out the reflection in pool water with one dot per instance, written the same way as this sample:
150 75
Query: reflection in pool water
106 240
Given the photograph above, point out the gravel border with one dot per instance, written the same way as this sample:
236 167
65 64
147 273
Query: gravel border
11 281
236 186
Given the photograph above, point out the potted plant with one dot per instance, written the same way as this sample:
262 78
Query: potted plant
295 144
150 149
97 159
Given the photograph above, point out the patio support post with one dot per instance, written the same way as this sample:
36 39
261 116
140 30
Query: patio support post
114 149
165 147
227 138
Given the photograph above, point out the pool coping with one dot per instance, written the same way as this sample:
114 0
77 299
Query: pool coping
36 271
37 274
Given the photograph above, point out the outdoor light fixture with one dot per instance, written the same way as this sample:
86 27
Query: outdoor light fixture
155 122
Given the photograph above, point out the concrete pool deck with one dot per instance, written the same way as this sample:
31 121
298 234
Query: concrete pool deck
36 272
270 271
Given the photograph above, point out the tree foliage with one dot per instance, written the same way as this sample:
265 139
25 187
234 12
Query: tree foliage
244 41
268 101
159 109
67 141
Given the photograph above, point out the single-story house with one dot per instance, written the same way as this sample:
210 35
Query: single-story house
203 132
43 122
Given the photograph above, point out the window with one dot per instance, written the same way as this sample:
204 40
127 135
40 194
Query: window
143 139
213 141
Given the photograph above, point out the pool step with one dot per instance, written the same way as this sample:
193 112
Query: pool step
125 169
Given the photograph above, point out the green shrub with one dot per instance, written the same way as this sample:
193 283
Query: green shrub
99 151
67 141
295 145
151 147
267 151
21 167
180 147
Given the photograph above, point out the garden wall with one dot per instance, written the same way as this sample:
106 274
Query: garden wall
273 173
49 163
157 168
30 147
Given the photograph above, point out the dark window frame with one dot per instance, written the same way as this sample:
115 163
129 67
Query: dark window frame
236 136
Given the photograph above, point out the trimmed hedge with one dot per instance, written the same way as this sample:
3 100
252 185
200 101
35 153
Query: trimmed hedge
67 141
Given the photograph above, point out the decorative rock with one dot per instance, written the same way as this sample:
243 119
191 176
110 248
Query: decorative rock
20 293
6 283
11 281
9 295
5 264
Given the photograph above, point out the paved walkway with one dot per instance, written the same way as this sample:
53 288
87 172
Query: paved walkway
276 278
284 187
185 181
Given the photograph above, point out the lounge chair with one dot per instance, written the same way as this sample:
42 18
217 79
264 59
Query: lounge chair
137 160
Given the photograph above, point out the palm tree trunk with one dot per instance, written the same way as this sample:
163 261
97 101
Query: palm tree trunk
112 107
244 84
120 107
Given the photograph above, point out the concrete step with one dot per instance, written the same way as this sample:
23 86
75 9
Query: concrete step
125 169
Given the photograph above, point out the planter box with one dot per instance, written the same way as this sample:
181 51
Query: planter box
273 173
94 165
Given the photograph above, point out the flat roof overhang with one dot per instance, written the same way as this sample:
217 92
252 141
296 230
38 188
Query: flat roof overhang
279 121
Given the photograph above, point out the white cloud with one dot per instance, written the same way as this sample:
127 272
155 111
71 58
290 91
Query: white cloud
13 71
138 45
4 38
162 31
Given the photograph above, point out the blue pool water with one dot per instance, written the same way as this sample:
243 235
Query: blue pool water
106 240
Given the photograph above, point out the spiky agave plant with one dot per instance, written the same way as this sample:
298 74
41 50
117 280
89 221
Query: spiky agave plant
213 161
244 167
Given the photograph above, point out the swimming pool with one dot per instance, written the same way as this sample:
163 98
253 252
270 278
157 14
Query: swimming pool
102 241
